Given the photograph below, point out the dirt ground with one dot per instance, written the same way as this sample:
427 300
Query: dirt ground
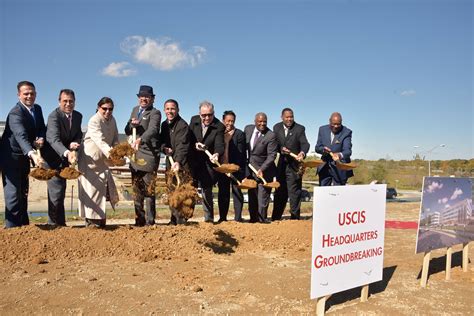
200 268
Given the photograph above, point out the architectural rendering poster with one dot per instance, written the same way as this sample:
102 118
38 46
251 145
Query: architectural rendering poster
446 216
348 237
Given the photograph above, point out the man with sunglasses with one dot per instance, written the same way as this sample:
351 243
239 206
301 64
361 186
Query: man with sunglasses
207 133
145 119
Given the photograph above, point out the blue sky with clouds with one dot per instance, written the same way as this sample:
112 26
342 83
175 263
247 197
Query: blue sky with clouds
441 193
400 72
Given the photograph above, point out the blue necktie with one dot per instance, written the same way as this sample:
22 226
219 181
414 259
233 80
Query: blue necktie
140 113
32 112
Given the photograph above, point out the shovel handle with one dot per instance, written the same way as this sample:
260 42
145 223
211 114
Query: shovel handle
175 173
256 173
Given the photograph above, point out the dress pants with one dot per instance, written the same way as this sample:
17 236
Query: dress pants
329 177
145 203
56 196
225 184
15 190
290 186
207 203
259 200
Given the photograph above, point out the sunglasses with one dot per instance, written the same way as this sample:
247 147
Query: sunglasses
107 109
207 115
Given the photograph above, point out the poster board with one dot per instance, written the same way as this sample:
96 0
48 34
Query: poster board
446 216
348 237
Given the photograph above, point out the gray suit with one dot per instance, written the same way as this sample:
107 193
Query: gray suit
261 156
59 136
148 130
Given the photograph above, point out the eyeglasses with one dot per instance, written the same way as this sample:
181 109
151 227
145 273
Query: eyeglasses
107 109
207 115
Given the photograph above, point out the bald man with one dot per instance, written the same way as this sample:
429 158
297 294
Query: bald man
334 144
262 149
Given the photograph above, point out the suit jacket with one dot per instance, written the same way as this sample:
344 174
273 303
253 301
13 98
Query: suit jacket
175 135
295 141
59 136
263 154
201 166
148 130
237 152
21 130
342 143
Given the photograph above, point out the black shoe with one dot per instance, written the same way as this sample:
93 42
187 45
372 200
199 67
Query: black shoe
221 220
265 221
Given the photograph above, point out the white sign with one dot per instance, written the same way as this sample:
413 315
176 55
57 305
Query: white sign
348 237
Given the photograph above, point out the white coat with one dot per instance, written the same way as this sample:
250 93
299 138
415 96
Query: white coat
96 178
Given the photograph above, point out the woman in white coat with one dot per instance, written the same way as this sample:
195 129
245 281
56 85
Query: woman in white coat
96 183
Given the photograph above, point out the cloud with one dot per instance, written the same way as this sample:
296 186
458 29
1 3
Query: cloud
162 53
408 93
120 69
447 206
434 186
457 192
443 200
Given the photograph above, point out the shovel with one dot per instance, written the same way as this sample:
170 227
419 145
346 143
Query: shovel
39 173
178 180
246 184
309 163
71 173
271 185
345 165
141 161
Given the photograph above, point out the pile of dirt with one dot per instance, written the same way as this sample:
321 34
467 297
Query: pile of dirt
69 173
118 152
42 174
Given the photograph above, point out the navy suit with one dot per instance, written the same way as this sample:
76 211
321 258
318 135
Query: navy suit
262 156
329 174
21 131
290 181
237 155
59 136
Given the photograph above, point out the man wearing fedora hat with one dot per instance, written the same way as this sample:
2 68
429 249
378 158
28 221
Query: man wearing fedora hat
146 120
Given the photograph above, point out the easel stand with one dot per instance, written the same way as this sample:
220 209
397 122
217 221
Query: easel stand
321 301
426 267
465 257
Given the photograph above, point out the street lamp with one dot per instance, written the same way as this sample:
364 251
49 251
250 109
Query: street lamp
429 159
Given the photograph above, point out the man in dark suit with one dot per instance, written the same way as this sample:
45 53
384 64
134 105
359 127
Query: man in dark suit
334 144
174 141
146 120
206 132
63 138
291 138
24 130
261 152
234 152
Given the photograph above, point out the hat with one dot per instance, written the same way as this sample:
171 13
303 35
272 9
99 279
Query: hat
145 90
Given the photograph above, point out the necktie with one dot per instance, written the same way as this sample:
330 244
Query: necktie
32 112
257 135
69 118
140 113
286 131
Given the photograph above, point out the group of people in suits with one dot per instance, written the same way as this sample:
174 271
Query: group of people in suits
198 148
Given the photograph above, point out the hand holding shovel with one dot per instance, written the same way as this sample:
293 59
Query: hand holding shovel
175 172
227 169
308 163
141 161
271 185
39 173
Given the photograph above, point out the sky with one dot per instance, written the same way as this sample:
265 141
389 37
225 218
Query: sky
399 72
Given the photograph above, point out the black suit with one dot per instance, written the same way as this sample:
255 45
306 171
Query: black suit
175 135
21 131
236 155
290 181
59 136
261 156
201 166
148 130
